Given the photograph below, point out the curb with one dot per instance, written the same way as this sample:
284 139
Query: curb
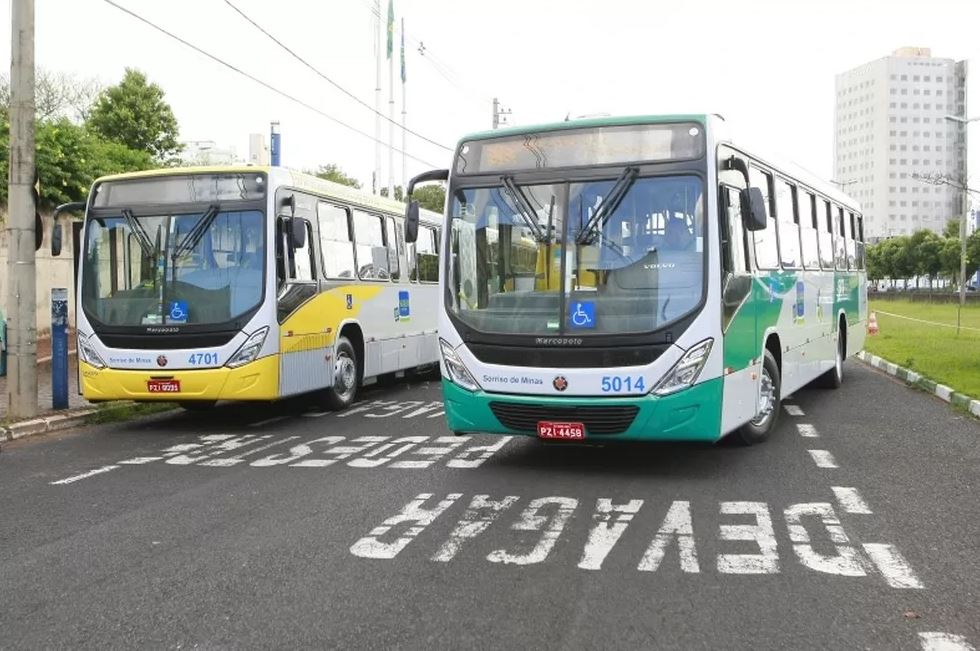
53 423
941 391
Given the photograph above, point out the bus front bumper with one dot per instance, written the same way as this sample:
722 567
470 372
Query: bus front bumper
693 414
258 380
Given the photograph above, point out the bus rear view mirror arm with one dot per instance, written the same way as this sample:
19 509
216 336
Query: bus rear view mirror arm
753 206
412 207
74 206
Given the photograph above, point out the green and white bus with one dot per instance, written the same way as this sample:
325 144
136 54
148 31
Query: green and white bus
639 278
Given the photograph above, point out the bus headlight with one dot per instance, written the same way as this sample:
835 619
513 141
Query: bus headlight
250 349
456 369
686 371
88 354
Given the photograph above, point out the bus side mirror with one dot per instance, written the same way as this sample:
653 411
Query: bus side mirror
297 232
753 206
74 206
412 222
56 240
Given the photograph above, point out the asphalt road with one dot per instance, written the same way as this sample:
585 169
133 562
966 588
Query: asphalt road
855 527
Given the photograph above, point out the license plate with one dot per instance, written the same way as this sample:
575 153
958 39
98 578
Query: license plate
561 431
163 386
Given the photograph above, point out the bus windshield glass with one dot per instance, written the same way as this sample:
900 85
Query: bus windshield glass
198 268
624 255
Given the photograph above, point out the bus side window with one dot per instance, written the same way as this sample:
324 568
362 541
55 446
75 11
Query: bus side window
826 228
336 242
281 248
766 247
808 228
859 242
839 239
391 241
302 266
733 234
789 231
372 255
428 258
852 249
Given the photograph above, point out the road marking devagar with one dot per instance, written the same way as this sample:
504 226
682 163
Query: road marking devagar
936 641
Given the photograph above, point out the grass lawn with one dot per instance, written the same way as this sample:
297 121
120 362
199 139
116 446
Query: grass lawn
934 351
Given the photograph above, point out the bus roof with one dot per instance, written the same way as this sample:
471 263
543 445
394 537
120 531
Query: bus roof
284 176
584 123
717 125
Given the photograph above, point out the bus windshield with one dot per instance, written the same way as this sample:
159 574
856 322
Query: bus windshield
624 255
195 268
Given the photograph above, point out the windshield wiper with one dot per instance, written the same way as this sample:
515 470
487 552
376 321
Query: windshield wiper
196 233
524 209
141 237
608 205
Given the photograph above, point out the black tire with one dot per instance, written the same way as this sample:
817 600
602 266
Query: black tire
198 405
759 429
346 377
833 378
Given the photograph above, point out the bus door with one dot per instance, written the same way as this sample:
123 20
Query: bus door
302 343
739 322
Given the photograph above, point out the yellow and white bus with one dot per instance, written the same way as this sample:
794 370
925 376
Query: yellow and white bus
248 283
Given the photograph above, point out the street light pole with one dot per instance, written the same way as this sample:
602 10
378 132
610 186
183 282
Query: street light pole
965 210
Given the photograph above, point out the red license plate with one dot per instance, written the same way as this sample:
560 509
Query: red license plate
163 386
561 431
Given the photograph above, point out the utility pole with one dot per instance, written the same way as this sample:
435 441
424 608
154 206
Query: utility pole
376 175
21 298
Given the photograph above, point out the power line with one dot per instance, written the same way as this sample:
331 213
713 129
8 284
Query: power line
443 69
331 81
262 83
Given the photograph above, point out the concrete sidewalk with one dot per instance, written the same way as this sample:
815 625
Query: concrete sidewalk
44 386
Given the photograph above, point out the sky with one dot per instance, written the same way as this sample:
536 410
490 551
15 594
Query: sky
767 66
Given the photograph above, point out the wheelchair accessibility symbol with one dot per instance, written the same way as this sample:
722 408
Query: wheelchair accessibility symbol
581 314
178 312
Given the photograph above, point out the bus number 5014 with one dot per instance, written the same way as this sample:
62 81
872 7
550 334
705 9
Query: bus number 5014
620 383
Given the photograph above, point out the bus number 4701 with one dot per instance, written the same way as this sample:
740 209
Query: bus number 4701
620 383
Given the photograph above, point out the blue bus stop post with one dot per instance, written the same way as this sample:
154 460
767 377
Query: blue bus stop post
59 348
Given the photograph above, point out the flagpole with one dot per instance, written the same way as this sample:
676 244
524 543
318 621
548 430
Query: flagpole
404 111
391 100
376 176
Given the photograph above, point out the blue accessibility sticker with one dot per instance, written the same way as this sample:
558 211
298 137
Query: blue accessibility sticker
581 314
404 310
177 312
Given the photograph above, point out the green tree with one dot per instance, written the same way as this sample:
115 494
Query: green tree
135 113
897 258
950 259
875 265
431 197
952 228
332 172
925 249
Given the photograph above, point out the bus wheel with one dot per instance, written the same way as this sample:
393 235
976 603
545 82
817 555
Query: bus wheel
197 405
344 389
833 378
758 429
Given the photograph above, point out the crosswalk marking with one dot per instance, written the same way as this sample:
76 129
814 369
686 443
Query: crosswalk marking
850 500
807 430
793 410
936 641
823 459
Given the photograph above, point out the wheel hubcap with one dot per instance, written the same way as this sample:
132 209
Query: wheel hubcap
345 375
767 400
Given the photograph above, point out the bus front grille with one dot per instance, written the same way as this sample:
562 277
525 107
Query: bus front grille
597 420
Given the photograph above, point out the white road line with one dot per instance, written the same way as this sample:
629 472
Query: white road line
268 421
317 414
894 567
807 430
823 459
84 475
935 641
850 500
793 410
